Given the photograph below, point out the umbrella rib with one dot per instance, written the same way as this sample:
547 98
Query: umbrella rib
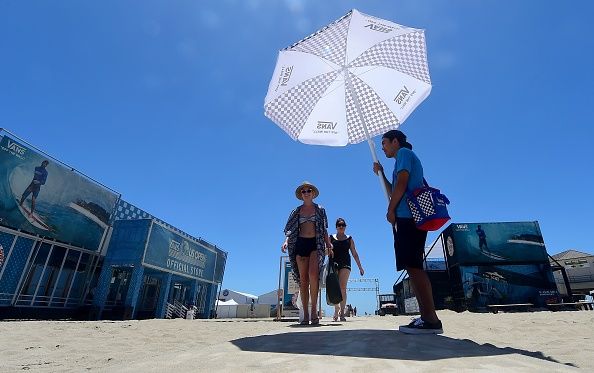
356 75
330 64
332 27
329 92
327 62
319 31
344 81
360 112
346 47
389 67
373 67
375 45
351 91
366 71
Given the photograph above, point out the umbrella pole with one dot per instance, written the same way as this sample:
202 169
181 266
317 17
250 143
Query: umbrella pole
381 173
369 140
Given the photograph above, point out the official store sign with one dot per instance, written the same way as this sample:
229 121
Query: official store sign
173 253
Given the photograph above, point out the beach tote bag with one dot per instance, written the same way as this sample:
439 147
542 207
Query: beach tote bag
428 207
324 273
333 293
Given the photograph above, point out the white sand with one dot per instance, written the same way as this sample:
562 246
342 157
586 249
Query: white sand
543 341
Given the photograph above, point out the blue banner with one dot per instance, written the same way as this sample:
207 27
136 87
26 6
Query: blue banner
41 196
220 267
288 295
290 287
173 253
487 285
494 243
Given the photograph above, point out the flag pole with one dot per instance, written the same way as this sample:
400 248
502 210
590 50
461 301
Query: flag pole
380 174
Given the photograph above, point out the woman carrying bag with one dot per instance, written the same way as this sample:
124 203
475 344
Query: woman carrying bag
341 261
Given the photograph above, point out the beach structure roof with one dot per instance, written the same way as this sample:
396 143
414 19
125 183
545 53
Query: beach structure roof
269 298
570 254
246 294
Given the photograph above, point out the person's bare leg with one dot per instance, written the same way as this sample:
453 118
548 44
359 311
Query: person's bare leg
303 265
412 285
424 294
343 278
314 283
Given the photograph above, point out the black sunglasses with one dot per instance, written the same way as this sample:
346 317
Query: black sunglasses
303 191
340 225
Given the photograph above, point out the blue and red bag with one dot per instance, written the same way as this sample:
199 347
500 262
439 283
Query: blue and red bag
428 207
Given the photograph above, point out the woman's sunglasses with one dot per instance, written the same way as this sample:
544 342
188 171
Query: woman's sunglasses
341 225
303 191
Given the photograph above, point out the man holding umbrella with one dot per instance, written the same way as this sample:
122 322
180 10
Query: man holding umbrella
409 241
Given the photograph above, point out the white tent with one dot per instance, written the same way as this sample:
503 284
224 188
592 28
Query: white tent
226 309
239 297
230 302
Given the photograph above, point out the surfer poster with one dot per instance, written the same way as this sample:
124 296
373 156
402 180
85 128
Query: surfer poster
41 196
494 243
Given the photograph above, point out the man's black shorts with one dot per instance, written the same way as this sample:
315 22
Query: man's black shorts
409 244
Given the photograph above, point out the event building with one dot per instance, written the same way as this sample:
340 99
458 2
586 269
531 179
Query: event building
73 248
579 272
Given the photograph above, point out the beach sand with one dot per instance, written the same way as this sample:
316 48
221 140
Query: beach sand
539 341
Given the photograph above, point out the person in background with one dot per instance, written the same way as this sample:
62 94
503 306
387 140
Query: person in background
343 245
307 243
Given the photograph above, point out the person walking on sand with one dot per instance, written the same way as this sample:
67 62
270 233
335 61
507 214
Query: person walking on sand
342 244
308 243
409 242
39 179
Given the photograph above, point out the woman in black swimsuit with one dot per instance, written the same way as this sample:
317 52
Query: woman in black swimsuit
308 243
341 244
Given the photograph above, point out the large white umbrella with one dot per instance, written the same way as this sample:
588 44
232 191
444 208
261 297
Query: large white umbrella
358 77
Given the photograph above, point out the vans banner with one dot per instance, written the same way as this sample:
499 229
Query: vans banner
41 196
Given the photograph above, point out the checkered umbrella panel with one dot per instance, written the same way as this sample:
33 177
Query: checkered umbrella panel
353 79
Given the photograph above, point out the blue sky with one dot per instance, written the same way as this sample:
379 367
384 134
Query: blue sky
163 102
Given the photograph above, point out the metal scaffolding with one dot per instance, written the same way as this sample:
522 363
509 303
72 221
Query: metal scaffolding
373 281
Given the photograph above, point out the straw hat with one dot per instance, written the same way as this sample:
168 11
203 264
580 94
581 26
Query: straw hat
306 184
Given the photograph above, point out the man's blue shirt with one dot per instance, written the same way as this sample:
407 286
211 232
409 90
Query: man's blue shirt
407 160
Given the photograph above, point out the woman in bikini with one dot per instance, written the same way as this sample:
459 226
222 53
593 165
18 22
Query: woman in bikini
308 243
342 244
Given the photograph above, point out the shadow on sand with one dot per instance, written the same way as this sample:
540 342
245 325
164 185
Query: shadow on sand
380 344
